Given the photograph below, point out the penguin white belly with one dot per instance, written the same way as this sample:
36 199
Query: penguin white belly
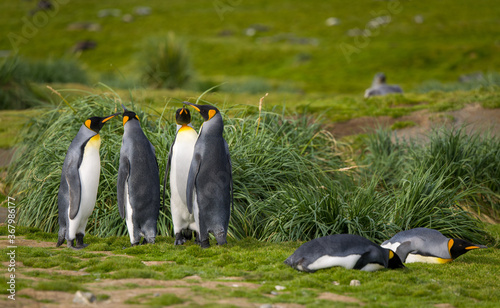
89 173
182 153
372 267
330 261
413 258
128 215
392 246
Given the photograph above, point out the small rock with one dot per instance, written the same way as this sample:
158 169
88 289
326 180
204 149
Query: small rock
336 283
156 295
84 298
236 286
355 283
418 19
332 21
142 10
128 18
280 288
274 293
266 306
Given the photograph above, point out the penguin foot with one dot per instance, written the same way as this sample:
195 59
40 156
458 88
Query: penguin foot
134 244
187 234
148 241
205 243
60 242
79 241
179 238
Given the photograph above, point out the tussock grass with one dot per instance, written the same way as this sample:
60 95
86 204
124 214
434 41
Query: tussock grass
165 63
291 178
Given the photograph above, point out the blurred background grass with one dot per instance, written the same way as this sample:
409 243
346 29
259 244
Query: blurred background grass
288 45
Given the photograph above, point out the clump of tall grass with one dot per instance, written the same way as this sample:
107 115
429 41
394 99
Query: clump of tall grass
15 91
165 63
465 164
291 180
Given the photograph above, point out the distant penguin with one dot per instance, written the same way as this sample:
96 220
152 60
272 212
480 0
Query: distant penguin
344 250
179 162
79 182
379 87
427 246
210 184
138 182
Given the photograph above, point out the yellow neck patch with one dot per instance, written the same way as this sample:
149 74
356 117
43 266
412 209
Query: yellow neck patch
211 113
391 254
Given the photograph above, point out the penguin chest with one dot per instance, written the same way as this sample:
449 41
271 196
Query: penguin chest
416 258
182 154
89 172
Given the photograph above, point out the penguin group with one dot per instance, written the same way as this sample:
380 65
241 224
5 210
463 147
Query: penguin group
356 252
201 196
200 180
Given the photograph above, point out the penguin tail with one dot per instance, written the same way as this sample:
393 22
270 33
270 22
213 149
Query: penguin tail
61 237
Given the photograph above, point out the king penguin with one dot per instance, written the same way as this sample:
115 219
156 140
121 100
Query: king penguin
179 161
79 182
346 250
209 188
427 246
138 184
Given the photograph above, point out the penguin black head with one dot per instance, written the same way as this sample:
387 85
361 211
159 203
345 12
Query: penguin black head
458 247
206 111
394 260
182 116
128 115
96 123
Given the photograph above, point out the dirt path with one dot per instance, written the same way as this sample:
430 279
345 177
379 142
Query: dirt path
475 117
133 292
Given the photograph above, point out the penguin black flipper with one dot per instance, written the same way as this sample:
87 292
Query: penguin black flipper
169 161
123 173
74 186
193 173
230 173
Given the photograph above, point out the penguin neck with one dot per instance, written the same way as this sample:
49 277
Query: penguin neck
213 127
132 125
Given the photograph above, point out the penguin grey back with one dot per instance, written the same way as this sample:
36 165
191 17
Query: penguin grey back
138 182
210 181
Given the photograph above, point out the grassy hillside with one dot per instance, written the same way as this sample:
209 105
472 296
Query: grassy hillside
292 45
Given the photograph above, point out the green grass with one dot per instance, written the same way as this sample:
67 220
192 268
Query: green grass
409 53
469 281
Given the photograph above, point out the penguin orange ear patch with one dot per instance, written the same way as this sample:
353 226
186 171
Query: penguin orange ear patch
125 119
450 244
211 113
391 254
137 118
87 124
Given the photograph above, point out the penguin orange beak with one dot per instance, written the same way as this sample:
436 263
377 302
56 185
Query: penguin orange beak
109 118
193 105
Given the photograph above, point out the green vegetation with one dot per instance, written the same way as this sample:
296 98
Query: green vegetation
295 47
166 63
249 270
292 180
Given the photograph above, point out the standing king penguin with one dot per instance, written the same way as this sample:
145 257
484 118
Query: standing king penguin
179 161
427 246
209 190
138 184
79 182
